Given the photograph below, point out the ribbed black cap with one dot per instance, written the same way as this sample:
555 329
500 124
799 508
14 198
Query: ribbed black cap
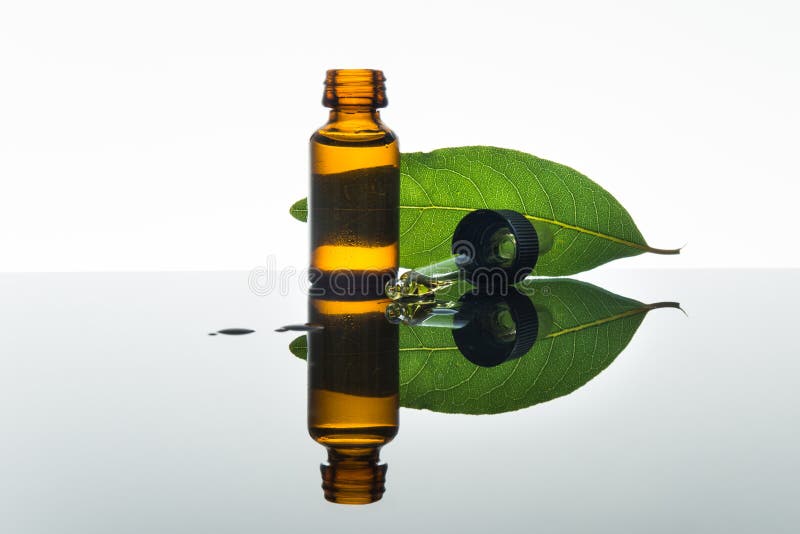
471 238
478 345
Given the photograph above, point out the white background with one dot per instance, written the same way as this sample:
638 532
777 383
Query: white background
173 134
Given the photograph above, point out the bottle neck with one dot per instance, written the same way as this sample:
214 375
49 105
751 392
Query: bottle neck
354 120
353 475
340 114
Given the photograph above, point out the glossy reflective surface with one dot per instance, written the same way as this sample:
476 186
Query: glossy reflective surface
119 413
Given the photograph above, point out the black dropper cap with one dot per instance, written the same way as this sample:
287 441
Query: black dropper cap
472 239
477 340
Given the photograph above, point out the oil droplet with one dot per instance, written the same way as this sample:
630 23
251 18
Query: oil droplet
308 327
234 332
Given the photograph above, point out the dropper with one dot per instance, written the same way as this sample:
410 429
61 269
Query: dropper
491 249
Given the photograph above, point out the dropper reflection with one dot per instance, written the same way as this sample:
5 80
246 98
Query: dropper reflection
488 329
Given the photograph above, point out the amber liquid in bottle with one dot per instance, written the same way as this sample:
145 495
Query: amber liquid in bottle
353 394
355 187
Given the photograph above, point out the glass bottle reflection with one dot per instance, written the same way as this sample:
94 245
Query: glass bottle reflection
353 400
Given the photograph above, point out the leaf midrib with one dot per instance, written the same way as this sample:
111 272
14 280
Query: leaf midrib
554 222
572 329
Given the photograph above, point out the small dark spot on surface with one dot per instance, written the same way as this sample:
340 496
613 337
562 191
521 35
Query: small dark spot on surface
233 332
236 331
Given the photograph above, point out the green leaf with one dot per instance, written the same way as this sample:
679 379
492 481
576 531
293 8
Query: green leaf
299 210
438 188
591 326
299 347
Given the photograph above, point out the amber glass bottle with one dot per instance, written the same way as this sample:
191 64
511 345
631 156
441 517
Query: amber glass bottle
355 185
353 394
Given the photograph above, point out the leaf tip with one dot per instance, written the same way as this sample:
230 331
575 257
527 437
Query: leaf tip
665 251
675 305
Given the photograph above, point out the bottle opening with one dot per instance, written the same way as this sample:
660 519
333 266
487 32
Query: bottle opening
355 88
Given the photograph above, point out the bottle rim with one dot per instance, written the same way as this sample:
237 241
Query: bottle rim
355 88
